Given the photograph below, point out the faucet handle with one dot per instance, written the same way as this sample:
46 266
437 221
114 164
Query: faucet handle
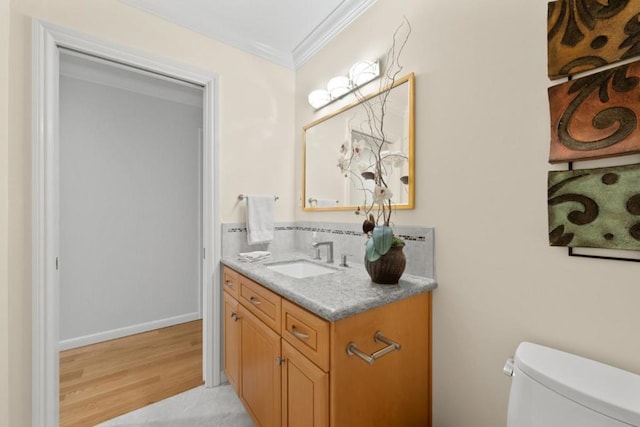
344 260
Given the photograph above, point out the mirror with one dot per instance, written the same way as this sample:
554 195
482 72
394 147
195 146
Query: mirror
338 157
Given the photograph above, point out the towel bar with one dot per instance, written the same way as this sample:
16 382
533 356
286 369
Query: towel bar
242 197
352 349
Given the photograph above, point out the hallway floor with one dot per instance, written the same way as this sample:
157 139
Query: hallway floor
101 381
200 407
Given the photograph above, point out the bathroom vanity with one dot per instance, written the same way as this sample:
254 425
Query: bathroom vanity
329 349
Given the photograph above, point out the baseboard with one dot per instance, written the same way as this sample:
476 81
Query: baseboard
126 331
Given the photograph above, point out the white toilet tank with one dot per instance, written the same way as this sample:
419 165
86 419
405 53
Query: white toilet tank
551 388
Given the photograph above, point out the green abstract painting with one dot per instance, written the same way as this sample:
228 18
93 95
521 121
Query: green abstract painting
595 208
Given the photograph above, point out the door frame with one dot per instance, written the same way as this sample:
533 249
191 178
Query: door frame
47 39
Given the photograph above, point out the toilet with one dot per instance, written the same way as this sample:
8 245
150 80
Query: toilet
551 388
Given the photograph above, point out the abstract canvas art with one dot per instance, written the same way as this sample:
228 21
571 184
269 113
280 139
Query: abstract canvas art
587 34
595 208
596 116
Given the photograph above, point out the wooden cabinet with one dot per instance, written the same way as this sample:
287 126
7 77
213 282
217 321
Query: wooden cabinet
305 391
396 389
231 341
230 282
308 333
263 303
292 368
261 372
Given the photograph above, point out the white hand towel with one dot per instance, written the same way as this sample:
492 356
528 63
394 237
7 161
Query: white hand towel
259 219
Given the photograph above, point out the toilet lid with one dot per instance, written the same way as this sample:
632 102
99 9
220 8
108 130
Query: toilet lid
603 388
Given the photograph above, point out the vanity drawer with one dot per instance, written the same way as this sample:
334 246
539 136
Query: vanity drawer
230 281
263 303
307 332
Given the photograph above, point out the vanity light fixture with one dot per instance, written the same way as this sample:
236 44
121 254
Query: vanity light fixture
363 72
360 74
319 98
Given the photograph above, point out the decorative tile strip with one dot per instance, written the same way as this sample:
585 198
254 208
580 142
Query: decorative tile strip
412 238
595 208
587 34
336 231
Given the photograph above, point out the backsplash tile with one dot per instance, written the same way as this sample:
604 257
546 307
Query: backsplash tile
347 238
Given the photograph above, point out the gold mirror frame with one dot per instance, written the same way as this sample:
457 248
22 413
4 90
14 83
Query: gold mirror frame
332 150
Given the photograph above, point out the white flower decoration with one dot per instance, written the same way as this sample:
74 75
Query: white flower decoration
343 163
358 147
344 148
380 194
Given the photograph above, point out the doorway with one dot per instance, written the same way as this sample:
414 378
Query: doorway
130 238
48 40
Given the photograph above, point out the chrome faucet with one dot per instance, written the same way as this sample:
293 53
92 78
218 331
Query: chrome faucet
329 249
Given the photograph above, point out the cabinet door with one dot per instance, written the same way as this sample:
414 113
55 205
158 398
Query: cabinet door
396 389
260 364
305 391
232 341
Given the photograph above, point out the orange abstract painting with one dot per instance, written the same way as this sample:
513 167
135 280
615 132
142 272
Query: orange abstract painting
596 116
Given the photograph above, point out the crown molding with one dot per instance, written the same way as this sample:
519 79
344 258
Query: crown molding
262 50
338 20
343 15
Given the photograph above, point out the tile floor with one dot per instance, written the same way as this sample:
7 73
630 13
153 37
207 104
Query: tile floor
199 407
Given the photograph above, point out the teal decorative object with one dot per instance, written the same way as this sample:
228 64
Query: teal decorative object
371 253
595 208
382 239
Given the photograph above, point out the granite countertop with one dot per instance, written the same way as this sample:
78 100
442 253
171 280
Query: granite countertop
334 296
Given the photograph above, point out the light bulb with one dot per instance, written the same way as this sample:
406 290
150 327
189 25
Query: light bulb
319 98
338 86
363 72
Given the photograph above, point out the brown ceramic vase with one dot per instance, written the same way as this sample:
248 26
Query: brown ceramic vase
388 269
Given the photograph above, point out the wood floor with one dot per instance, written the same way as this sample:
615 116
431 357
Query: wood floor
101 381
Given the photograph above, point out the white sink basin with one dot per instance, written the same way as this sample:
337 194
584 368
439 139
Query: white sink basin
300 269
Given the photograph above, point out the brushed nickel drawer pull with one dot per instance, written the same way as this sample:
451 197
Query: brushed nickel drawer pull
254 301
234 316
298 334
352 349
228 283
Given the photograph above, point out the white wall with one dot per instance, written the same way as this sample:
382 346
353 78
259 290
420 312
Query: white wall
256 127
129 210
482 141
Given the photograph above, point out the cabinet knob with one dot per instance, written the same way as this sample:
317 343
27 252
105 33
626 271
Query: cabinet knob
254 301
280 360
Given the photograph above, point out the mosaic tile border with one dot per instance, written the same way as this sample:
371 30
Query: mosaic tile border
236 229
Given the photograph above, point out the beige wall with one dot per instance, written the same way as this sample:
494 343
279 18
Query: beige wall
482 146
4 226
256 129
